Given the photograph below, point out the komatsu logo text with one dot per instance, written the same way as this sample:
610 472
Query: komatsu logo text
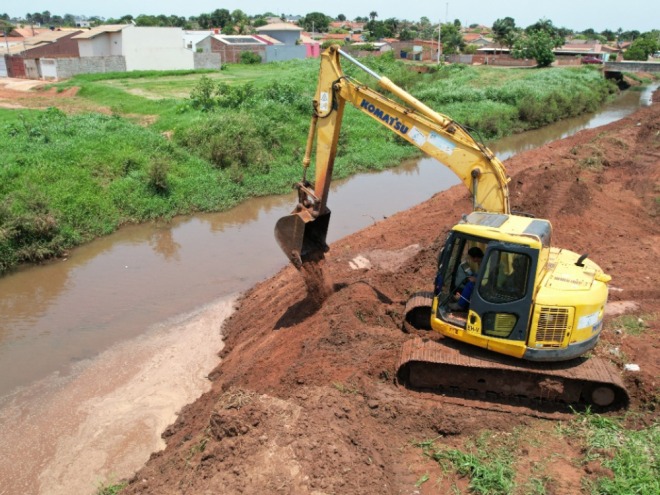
393 122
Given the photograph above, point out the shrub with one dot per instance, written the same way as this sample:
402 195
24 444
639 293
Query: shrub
250 58
230 140
158 170
202 94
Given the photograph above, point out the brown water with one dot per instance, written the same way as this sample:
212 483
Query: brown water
99 351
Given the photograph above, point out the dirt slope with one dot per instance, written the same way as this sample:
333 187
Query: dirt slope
305 399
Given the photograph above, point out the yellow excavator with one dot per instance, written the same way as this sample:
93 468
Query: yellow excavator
529 311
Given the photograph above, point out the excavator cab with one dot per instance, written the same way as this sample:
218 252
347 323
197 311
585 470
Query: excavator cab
498 305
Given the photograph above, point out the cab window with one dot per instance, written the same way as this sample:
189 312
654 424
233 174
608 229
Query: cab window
505 276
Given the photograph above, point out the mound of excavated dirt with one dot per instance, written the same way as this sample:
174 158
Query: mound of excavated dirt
305 399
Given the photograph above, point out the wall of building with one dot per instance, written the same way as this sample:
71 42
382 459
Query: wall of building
203 46
31 68
278 53
63 47
207 60
68 67
286 37
103 45
15 66
231 54
154 48
48 68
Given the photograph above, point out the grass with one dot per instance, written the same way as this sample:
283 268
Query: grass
631 324
487 463
111 489
66 179
632 455
627 451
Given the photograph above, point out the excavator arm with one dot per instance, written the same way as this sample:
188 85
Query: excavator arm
302 234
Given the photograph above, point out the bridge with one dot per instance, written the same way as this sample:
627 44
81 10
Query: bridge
631 66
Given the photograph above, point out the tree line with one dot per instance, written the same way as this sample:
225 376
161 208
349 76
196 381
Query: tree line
536 41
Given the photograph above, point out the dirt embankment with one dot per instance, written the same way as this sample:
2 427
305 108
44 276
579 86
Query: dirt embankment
305 400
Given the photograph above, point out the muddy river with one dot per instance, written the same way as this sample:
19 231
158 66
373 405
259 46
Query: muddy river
100 350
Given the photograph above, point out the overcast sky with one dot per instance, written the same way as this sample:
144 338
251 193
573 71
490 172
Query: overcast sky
642 15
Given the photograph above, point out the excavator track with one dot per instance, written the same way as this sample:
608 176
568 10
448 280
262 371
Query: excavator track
418 312
453 368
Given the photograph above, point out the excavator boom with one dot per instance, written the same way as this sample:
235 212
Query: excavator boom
302 234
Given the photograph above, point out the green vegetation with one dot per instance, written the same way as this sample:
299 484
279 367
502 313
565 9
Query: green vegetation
632 455
113 489
500 463
178 142
488 462
631 324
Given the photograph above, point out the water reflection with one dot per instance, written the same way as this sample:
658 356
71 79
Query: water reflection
162 241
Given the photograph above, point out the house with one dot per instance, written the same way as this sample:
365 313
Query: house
230 47
192 38
368 48
576 49
418 50
287 33
476 39
312 46
289 36
136 48
350 26
33 57
199 43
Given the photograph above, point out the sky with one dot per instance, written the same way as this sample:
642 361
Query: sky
578 15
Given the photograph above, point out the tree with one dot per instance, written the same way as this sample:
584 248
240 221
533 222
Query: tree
372 15
608 34
536 45
505 31
238 16
315 21
391 27
204 21
555 34
220 18
406 35
376 29
451 39
341 17
643 46
425 28
629 35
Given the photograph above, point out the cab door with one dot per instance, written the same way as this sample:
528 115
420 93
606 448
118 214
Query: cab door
501 303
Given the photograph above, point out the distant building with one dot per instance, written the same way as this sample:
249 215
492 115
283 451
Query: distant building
141 48
230 47
33 57
289 36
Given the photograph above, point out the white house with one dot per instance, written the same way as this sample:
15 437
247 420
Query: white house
142 48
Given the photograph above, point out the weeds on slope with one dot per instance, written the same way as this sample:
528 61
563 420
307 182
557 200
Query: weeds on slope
497 463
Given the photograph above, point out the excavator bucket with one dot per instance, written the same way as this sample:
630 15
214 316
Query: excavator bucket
302 237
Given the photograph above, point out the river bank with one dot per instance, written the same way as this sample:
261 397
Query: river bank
304 401
102 419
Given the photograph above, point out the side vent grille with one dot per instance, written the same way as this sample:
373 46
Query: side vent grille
554 325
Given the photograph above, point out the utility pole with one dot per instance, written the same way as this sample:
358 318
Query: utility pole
439 42
440 32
